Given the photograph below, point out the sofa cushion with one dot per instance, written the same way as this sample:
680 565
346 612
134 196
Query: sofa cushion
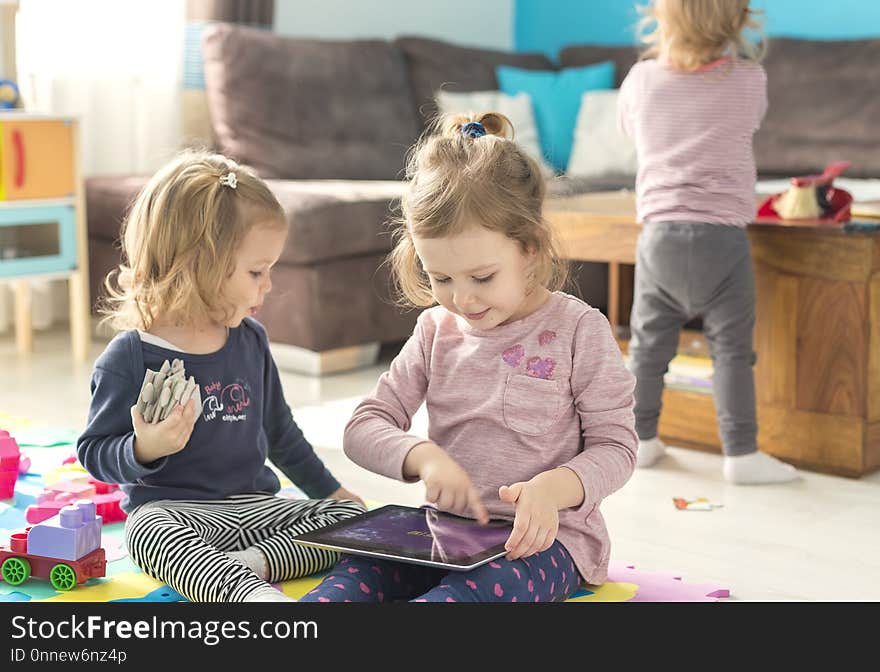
824 105
434 65
337 304
329 219
578 55
333 219
304 108
556 96
600 147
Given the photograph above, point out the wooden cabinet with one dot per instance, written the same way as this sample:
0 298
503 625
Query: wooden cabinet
36 159
817 335
42 218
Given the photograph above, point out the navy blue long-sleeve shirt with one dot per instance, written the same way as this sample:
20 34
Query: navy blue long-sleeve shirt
243 420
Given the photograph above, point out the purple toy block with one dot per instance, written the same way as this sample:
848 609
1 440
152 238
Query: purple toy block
73 533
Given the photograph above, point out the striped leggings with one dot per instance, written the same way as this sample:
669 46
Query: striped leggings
182 543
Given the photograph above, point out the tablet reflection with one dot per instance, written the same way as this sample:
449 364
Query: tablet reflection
454 538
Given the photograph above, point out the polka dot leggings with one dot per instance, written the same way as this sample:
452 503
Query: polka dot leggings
549 576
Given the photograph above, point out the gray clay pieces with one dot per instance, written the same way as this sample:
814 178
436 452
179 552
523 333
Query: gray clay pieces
164 389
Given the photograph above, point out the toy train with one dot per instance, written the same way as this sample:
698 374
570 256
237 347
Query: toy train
66 549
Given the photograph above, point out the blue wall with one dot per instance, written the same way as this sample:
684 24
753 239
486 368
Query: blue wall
548 25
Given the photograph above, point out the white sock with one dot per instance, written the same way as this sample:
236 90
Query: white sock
268 594
650 451
254 559
758 468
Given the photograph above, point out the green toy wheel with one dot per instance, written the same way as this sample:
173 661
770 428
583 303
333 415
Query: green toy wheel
15 571
62 577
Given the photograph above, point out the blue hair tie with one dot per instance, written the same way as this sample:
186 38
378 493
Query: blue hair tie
473 129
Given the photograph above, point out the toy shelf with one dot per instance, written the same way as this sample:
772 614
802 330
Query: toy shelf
42 218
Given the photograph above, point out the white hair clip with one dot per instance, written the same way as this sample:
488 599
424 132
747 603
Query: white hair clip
229 180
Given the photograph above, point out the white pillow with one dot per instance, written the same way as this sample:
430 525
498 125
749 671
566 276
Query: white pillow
517 108
599 146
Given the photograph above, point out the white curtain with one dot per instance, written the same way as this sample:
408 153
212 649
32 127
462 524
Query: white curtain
117 66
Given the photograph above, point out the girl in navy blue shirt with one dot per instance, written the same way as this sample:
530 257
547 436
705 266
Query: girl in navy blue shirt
199 244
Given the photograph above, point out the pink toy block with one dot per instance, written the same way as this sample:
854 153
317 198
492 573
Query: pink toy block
37 513
10 457
9 452
7 483
107 506
77 485
73 489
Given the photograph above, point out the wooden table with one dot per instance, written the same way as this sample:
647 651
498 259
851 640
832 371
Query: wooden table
817 333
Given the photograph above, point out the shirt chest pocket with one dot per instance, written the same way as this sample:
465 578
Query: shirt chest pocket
531 405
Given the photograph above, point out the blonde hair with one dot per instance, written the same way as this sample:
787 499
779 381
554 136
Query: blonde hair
179 240
692 33
454 179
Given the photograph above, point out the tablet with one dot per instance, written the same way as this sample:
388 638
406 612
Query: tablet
423 536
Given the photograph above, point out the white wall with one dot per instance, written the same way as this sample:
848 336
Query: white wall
479 23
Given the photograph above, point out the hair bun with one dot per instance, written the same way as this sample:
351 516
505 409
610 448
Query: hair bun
476 126
496 123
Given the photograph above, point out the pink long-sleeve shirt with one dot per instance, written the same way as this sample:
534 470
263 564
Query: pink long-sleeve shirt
693 133
545 391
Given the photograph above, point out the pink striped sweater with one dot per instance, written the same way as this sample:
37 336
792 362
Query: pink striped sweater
693 133
545 391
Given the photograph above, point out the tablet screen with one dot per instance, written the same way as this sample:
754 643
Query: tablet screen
416 535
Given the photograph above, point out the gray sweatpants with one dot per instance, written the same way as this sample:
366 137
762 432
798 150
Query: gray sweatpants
686 270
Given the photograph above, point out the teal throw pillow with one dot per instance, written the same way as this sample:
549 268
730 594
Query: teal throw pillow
556 96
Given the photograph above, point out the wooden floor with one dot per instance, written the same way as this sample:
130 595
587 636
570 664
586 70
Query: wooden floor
815 539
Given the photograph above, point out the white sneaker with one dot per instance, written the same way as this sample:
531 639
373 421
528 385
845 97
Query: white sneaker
650 451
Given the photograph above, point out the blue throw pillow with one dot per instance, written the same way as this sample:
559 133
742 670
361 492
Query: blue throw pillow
556 96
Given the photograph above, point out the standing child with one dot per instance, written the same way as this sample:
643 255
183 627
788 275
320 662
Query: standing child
529 402
692 108
199 244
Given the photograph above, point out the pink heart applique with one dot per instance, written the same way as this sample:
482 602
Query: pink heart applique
538 367
546 337
513 355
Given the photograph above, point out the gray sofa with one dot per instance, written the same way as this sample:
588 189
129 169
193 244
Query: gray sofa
328 124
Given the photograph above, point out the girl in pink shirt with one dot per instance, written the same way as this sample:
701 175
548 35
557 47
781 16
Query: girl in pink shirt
529 402
692 106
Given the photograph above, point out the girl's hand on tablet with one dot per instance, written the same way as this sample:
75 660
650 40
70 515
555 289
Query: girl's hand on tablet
446 482
536 522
